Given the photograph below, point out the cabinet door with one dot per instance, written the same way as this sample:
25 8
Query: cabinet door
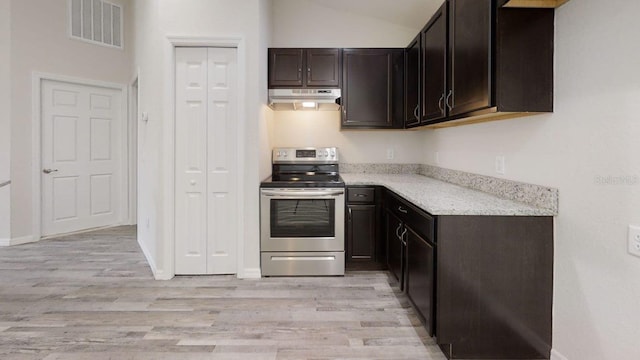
373 88
323 67
361 232
394 245
420 276
285 67
434 67
413 83
470 46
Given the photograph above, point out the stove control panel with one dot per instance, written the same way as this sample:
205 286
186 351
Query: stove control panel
305 155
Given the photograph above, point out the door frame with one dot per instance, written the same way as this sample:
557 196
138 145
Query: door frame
36 142
169 126
132 144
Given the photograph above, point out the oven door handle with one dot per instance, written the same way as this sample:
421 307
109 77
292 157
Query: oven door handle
298 194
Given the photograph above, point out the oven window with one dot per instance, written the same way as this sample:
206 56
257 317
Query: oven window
303 218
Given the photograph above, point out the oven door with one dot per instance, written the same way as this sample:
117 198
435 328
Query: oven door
303 219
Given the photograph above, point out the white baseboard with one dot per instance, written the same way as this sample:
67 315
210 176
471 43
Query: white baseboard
555 355
152 264
17 241
251 273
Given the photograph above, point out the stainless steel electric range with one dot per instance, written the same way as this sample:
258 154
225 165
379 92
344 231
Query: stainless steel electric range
302 214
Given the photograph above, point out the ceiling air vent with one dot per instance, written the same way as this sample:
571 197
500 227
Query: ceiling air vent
96 21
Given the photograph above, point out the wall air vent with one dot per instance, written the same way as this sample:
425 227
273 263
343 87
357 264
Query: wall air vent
96 21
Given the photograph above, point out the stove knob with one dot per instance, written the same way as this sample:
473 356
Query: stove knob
333 153
326 153
285 154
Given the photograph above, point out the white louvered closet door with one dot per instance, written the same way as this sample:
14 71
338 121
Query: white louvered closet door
206 177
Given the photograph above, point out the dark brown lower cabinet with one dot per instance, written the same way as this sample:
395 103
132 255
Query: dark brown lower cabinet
395 247
421 277
364 250
494 286
361 232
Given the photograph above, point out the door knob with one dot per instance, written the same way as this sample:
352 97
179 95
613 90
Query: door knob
49 171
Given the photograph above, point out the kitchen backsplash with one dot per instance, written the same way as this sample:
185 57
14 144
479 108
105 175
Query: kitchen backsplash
534 195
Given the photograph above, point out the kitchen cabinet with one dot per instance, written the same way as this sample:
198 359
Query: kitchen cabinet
470 50
482 284
413 83
411 238
421 276
434 67
395 246
482 62
300 68
372 88
363 248
494 286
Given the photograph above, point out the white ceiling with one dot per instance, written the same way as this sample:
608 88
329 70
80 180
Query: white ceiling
409 13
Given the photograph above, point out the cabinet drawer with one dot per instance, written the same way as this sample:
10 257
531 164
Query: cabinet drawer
361 195
418 220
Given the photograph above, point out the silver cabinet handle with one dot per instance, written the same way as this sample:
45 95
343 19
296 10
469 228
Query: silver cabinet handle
449 96
415 112
404 242
440 103
350 214
402 210
49 171
299 73
360 195
397 230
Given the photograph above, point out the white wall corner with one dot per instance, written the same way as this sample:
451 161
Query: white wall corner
250 273
17 241
157 274
555 355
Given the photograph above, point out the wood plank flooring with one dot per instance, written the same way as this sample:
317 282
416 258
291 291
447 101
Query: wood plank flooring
92 296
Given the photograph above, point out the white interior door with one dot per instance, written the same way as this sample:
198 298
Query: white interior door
81 157
206 195
221 154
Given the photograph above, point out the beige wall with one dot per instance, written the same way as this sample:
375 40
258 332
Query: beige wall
196 18
322 128
588 149
39 43
310 23
297 23
5 116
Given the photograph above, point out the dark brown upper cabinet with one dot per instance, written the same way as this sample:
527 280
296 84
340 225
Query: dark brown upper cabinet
291 68
372 88
434 67
483 62
470 51
413 83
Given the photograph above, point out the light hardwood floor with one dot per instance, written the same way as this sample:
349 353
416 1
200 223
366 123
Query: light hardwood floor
92 296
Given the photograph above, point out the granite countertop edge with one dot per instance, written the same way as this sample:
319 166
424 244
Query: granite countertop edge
442 198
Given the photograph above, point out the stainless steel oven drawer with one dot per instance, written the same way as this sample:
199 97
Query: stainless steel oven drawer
302 263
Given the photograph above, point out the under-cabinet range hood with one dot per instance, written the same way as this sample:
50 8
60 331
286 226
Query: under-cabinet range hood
304 99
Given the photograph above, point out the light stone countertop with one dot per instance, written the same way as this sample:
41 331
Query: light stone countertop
441 198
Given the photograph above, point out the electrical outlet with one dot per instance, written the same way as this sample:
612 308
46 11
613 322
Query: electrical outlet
634 240
500 167
390 154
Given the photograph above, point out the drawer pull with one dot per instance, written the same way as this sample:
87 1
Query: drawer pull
402 210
